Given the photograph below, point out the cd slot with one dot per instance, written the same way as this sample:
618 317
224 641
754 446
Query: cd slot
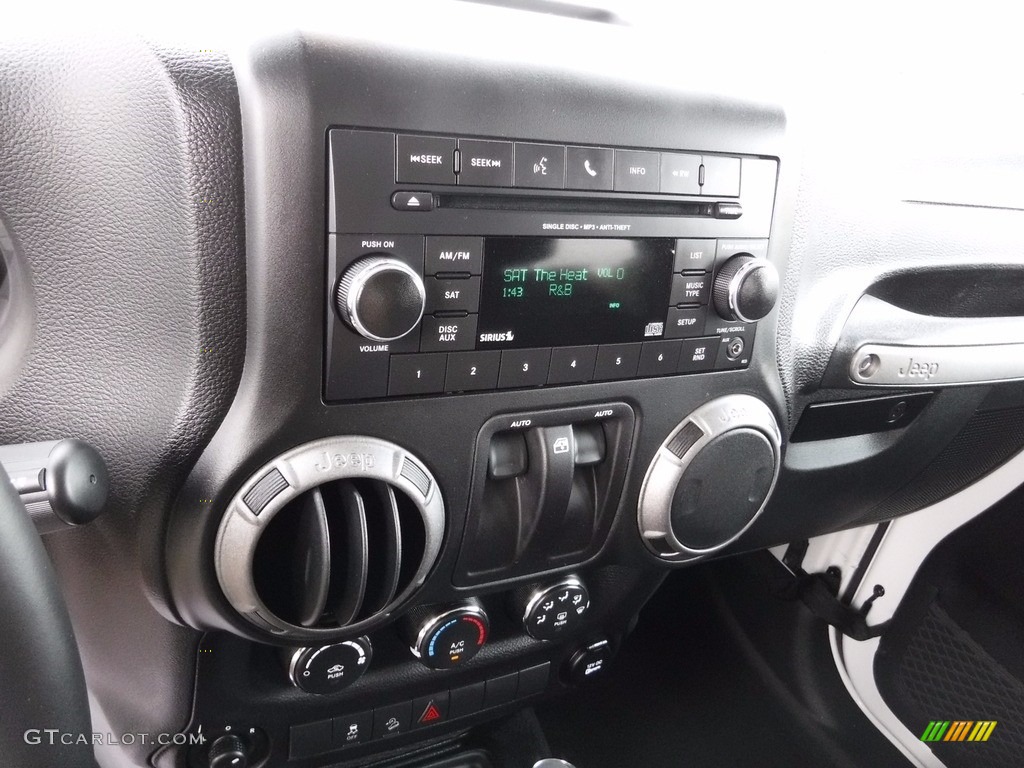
560 204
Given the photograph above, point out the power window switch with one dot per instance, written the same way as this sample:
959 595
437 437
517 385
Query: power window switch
508 456
590 444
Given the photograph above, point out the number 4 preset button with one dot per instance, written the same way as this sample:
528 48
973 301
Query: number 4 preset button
417 374
572 364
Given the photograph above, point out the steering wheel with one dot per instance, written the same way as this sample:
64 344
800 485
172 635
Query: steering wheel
44 706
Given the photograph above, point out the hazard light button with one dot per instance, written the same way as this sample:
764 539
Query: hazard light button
428 710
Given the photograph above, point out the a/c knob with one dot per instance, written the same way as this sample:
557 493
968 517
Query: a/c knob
746 288
380 297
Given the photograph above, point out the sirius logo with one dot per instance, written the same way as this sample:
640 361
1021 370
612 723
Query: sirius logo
503 336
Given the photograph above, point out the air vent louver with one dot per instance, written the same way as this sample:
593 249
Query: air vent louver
352 536
338 554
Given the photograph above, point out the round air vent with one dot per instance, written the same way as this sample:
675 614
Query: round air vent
327 539
710 479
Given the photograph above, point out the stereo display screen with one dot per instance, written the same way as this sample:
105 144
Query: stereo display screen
556 292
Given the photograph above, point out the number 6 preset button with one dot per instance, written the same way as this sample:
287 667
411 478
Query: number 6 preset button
524 367
472 370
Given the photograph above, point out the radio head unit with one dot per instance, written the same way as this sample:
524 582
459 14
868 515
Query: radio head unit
502 287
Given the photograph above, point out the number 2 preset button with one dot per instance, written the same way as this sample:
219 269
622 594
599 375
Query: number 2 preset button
524 367
572 364
416 374
472 370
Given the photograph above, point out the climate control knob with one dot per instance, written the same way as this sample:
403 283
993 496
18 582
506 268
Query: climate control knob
445 638
554 610
746 288
380 297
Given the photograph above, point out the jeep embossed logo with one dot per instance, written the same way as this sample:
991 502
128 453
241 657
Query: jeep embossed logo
915 369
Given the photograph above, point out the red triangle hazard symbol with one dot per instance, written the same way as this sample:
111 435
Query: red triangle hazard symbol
430 714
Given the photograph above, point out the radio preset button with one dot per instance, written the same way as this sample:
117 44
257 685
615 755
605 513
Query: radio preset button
572 364
659 358
448 334
454 254
524 367
426 159
637 171
452 294
694 255
698 354
680 174
617 361
540 165
472 371
687 289
416 374
588 168
485 163
684 323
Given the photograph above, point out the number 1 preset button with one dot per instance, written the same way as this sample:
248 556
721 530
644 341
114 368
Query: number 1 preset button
572 364
417 374
472 370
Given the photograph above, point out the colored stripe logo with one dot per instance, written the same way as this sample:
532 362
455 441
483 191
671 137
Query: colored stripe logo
958 730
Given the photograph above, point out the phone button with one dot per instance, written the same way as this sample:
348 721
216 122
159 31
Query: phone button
589 168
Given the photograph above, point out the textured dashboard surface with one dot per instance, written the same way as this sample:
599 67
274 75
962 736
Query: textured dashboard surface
121 184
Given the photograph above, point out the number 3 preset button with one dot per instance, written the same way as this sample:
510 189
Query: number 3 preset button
524 367
472 370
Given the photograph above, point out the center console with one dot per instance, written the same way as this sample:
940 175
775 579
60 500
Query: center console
504 368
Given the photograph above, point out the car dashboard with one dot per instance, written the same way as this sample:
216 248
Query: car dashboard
421 350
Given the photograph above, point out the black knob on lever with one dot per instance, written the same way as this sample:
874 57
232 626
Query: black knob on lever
229 751
61 482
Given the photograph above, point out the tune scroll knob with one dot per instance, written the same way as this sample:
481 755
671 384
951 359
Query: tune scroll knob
380 297
746 288
446 638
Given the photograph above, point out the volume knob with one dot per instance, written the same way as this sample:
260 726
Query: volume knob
381 297
746 288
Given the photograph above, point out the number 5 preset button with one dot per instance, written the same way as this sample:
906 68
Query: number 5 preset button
472 370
